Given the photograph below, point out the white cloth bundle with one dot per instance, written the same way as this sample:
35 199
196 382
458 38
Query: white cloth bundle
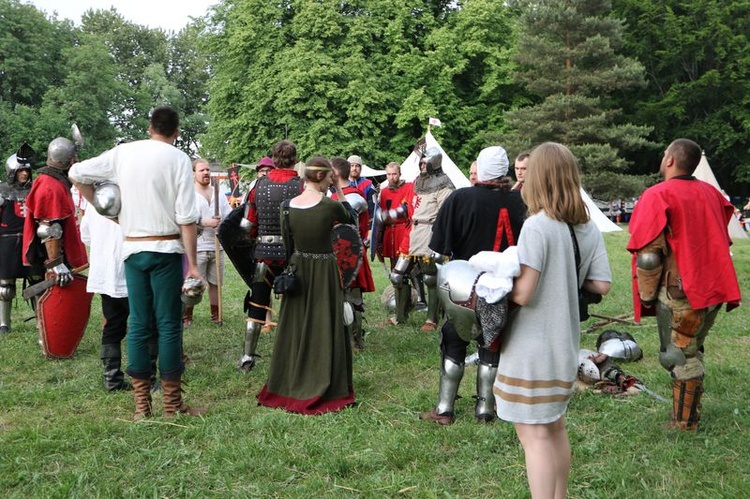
500 269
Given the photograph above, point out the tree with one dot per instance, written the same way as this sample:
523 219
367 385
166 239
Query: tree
569 59
697 59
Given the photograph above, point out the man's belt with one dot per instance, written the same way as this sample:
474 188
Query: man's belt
168 237
270 239
422 222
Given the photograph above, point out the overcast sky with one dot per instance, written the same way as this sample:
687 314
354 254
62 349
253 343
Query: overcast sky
170 15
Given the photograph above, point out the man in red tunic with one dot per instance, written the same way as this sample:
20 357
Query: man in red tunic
50 234
394 222
682 270
364 282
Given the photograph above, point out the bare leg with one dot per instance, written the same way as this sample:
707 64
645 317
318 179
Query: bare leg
547 451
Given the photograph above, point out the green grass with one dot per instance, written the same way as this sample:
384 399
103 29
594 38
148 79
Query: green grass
61 435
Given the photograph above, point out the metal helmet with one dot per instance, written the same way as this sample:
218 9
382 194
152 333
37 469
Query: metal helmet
23 159
107 199
434 159
357 202
618 345
60 153
455 288
588 372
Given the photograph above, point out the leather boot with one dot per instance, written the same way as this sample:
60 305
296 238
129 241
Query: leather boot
114 378
686 403
142 389
187 317
215 314
173 404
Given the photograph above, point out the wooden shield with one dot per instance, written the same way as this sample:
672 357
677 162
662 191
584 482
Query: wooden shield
63 316
349 251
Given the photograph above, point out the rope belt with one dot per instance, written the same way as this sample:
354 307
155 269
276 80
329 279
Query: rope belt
316 256
168 237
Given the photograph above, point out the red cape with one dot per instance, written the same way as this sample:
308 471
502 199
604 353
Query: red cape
696 216
50 199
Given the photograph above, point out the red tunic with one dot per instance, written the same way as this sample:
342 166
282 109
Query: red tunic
50 199
364 280
395 233
694 216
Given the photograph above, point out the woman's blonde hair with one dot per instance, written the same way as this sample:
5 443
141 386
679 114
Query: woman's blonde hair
553 184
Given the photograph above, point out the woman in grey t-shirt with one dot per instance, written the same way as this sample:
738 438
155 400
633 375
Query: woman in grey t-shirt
538 360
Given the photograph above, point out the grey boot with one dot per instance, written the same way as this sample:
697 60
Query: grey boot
485 408
252 333
114 378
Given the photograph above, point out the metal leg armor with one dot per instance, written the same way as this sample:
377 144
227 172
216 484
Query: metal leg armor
450 378
485 407
7 293
252 333
430 280
403 303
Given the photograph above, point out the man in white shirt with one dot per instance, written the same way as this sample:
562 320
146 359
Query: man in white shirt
157 219
208 207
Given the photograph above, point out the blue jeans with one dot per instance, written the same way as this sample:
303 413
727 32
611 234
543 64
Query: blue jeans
154 286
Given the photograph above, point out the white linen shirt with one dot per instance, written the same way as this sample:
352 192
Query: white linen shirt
156 187
207 240
106 270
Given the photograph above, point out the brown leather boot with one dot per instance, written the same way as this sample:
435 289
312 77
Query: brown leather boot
173 404
187 317
215 314
142 389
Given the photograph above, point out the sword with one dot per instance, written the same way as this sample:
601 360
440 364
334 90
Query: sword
41 287
655 395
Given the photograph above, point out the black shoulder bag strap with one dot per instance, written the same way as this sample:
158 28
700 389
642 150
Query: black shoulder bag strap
287 235
577 255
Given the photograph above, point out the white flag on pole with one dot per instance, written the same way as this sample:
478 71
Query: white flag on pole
435 122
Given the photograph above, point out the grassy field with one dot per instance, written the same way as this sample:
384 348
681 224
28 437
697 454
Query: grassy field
61 435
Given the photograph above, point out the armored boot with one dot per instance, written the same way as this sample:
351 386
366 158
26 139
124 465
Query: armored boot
484 412
215 315
187 317
418 285
252 333
686 403
114 378
142 390
5 306
450 378
172 397
403 303
433 305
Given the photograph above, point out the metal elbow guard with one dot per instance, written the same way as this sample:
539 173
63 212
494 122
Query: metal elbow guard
648 272
439 258
246 225
48 231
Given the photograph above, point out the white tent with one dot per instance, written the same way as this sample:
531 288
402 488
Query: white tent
704 172
371 172
600 219
410 167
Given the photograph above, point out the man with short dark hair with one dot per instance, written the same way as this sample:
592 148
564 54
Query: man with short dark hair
682 270
520 165
158 221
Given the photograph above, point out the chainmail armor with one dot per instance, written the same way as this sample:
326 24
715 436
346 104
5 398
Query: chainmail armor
268 198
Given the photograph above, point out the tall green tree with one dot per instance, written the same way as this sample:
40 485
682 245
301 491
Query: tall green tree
569 56
697 59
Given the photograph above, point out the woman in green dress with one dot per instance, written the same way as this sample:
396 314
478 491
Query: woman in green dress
311 366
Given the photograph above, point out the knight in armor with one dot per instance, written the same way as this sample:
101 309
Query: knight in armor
365 185
13 194
682 270
393 213
51 237
485 217
364 282
431 189
263 222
